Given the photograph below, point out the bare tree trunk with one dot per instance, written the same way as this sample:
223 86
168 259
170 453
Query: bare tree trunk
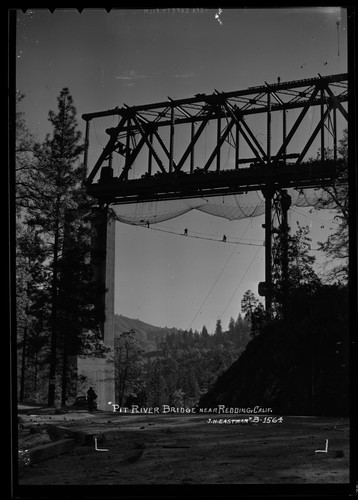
35 372
53 352
22 380
64 374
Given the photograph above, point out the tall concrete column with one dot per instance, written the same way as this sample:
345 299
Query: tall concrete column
99 371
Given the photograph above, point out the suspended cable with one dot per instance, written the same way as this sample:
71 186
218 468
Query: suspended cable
227 157
134 145
317 219
218 278
205 145
206 234
206 238
233 145
212 286
95 132
236 289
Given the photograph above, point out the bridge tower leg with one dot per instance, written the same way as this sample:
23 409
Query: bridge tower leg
285 203
281 203
99 371
268 193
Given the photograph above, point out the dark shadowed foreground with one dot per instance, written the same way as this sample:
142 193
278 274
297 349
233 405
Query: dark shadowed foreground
185 449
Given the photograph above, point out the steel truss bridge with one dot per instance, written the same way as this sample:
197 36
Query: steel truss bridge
152 128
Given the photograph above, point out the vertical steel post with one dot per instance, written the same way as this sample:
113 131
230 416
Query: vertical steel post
285 203
268 152
171 147
192 153
218 134
334 133
268 194
150 157
322 125
237 146
127 146
284 131
86 145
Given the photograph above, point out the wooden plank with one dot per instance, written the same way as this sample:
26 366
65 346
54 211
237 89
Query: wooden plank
81 436
57 432
45 451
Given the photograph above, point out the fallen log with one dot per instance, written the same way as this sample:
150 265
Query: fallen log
81 437
45 451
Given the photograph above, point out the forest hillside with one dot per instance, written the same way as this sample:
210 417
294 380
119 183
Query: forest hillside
147 335
295 367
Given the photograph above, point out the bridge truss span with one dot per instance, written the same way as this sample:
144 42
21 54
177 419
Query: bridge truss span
164 138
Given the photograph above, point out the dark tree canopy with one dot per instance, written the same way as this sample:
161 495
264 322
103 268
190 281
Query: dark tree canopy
53 245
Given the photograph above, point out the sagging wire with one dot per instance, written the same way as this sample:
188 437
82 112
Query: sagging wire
95 131
205 234
315 218
232 253
211 288
187 235
236 289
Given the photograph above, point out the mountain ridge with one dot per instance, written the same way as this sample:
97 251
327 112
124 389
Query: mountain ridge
146 334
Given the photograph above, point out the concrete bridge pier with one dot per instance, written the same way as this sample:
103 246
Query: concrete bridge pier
99 371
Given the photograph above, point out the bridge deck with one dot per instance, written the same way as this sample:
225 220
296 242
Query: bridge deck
165 186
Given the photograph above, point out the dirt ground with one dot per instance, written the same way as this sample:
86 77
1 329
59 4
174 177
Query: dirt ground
186 449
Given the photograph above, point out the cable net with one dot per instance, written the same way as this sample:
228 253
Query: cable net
231 207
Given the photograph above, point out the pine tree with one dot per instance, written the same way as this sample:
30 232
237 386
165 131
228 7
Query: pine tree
258 320
232 329
253 311
157 385
78 318
59 178
30 302
26 191
128 366
242 328
248 304
204 331
336 247
218 328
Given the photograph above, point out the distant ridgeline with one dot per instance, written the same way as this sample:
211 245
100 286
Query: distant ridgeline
152 339
147 335
296 367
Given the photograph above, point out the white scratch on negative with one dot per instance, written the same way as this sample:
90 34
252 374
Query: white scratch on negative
217 16
98 449
323 451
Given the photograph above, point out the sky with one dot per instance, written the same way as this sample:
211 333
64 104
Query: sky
142 56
